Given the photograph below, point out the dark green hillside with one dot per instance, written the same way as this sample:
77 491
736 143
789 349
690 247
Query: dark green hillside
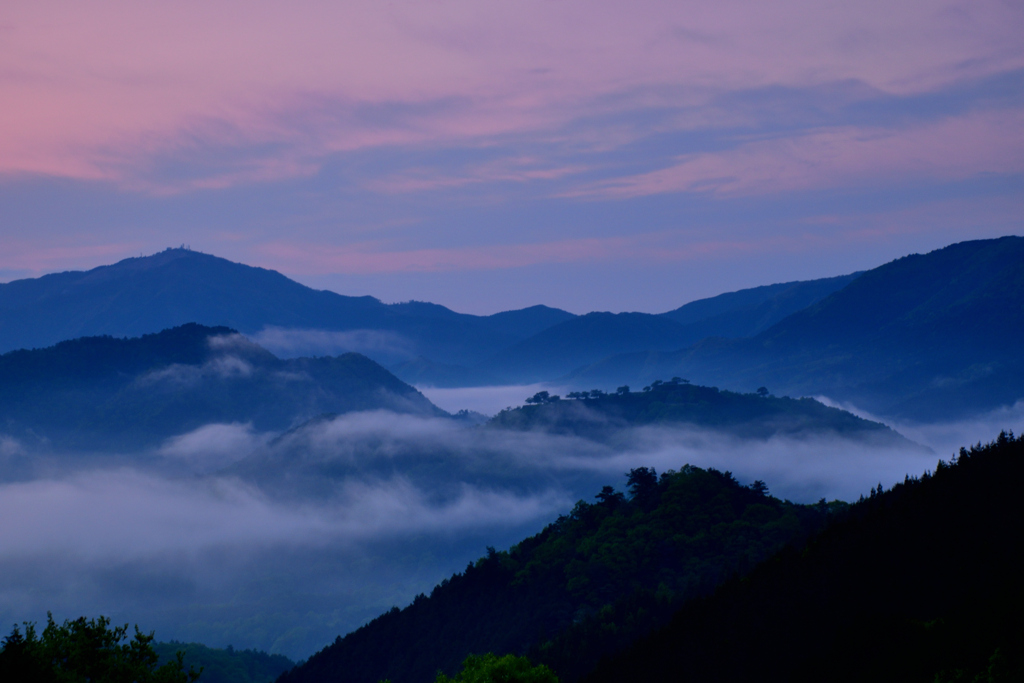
635 559
919 583
100 392
225 665
602 415
926 337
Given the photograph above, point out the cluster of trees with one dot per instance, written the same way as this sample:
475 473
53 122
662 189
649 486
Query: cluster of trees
490 668
658 383
599 415
225 665
588 584
543 397
917 583
86 651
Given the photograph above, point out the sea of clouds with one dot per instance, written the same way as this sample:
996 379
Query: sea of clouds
225 535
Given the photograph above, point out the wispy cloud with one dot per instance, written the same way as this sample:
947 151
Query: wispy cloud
107 89
129 515
947 150
392 142
214 446
513 170
292 342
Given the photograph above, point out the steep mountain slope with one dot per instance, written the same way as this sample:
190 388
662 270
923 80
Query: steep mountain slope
926 336
749 312
676 537
177 286
101 391
919 583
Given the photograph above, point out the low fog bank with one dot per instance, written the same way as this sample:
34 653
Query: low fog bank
382 345
486 400
946 438
217 560
226 535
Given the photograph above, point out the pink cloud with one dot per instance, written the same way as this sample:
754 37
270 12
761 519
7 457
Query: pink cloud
953 149
659 247
100 88
518 170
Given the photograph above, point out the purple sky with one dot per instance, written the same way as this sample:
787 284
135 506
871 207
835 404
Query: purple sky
485 156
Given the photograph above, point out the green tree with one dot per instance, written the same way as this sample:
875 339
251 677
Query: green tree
86 651
490 668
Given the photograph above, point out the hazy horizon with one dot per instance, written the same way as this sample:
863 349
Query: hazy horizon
487 158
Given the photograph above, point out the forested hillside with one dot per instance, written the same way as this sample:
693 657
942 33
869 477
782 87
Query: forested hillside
102 391
225 665
918 583
601 415
590 583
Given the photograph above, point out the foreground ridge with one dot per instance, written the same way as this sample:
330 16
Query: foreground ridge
918 583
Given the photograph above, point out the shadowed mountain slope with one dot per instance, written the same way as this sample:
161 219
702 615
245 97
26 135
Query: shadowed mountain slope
102 391
748 312
583 340
579 341
919 583
677 536
928 336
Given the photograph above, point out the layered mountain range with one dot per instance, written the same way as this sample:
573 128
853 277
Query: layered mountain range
104 392
925 337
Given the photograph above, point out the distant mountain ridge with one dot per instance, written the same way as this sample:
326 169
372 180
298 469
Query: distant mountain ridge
97 392
422 342
147 294
567 345
751 311
582 340
927 336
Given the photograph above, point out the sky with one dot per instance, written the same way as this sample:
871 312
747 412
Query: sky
486 156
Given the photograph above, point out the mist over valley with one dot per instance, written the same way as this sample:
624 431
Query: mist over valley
219 486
